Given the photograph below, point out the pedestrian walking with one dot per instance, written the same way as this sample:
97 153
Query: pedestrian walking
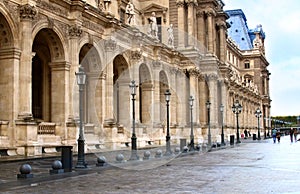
291 134
274 131
295 134
278 136
246 133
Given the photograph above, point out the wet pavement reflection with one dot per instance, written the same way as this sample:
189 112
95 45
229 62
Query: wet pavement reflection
250 167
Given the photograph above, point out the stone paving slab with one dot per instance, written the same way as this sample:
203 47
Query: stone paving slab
250 167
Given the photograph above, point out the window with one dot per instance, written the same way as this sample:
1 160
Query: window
247 65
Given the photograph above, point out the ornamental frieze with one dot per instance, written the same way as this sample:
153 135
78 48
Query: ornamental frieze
92 26
50 7
27 12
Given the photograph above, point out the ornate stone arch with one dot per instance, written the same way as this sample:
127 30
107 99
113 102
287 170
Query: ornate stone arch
6 32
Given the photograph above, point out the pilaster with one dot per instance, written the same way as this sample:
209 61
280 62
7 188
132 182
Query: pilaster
181 23
74 33
27 14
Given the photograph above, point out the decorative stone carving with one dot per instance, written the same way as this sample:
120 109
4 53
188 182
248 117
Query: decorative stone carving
194 72
180 3
191 2
156 64
75 31
222 24
212 77
200 14
136 55
27 12
110 45
51 7
50 22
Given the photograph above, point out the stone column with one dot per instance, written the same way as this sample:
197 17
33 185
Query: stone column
60 95
210 28
191 22
110 46
201 28
202 101
194 91
156 93
181 23
147 101
213 98
75 33
174 97
27 14
222 27
182 93
59 91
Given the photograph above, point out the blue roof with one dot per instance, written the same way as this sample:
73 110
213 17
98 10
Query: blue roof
239 31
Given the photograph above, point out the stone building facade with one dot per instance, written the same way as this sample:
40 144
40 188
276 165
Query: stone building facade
43 42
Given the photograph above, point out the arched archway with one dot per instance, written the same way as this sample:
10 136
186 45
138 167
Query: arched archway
7 57
146 90
48 77
121 90
90 60
163 86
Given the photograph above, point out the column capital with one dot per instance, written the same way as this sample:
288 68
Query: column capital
212 77
75 31
210 13
195 72
221 24
180 3
27 12
136 55
200 13
191 2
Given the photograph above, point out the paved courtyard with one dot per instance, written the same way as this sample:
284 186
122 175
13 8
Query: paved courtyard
250 167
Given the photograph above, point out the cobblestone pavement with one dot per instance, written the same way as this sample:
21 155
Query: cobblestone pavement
246 168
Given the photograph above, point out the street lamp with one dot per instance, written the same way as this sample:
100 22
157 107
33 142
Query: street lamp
81 78
208 121
168 145
237 109
191 100
134 155
222 121
258 115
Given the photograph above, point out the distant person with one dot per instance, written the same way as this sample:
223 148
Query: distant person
295 134
274 131
278 136
249 133
291 134
246 133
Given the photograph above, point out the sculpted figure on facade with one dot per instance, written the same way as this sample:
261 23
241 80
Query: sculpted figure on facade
130 13
170 36
153 28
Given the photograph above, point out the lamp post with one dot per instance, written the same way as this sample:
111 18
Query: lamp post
168 145
208 122
237 109
258 115
222 121
81 78
134 155
191 100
